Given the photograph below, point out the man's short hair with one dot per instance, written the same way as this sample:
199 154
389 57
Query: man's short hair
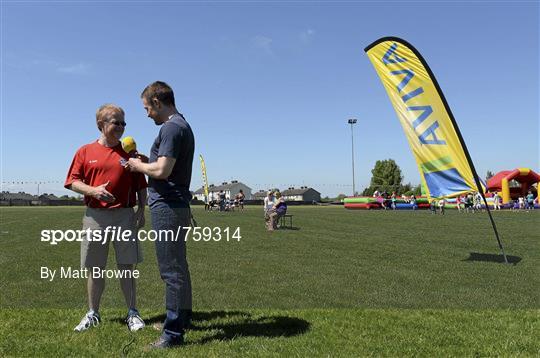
161 91
101 113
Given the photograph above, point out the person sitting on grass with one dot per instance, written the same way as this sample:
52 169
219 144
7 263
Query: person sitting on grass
278 210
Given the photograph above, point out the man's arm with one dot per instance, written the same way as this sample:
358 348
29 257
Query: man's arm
98 192
161 169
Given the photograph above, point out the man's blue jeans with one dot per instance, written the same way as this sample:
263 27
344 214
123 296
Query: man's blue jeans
173 268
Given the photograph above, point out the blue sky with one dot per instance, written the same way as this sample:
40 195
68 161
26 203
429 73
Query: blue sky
266 86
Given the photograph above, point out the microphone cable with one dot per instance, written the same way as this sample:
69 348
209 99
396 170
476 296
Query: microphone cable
125 348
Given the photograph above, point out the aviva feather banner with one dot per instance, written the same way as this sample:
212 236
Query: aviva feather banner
431 130
204 178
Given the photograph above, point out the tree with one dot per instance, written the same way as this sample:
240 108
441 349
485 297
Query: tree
386 176
489 175
406 189
368 191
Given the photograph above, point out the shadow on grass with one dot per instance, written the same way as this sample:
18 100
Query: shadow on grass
475 256
242 325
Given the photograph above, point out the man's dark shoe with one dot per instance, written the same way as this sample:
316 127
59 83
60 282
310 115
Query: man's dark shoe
163 343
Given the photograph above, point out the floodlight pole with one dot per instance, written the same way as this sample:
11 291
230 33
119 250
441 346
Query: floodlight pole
351 122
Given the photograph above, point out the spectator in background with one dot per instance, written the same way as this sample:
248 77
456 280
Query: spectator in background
222 200
469 205
432 206
521 203
442 203
413 202
478 201
384 202
530 200
514 204
240 199
268 205
278 210
229 204
214 201
458 203
496 201
206 203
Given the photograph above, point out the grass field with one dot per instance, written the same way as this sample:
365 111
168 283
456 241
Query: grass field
342 283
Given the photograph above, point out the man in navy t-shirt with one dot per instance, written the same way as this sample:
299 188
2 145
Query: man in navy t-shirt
175 140
169 173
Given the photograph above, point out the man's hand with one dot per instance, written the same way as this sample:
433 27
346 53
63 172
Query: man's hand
142 157
160 169
139 218
133 164
100 193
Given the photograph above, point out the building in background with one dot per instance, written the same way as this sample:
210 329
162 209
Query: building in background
230 190
25 199
302 194
260 195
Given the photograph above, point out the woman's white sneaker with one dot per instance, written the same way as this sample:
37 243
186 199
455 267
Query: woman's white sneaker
134 322
91 319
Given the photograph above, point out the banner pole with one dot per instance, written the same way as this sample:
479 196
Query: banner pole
452 120
465 149
481 191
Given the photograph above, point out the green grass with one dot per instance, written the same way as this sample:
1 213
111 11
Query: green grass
343 283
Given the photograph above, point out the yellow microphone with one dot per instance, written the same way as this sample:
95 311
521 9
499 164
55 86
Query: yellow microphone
129 146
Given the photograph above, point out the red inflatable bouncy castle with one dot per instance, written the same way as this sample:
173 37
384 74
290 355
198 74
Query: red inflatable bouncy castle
499 182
